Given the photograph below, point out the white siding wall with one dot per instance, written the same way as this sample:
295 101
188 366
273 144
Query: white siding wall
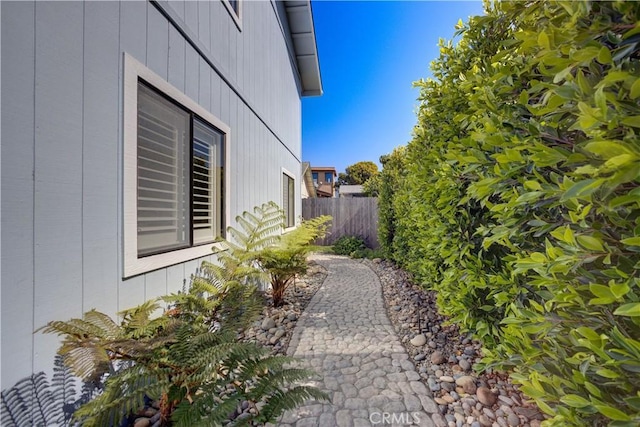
62 146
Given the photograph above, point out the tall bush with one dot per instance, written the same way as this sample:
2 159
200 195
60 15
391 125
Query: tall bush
521 203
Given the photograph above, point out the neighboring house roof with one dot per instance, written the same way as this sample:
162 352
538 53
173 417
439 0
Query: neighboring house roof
325 190
351 189
308 180
304 45
324 169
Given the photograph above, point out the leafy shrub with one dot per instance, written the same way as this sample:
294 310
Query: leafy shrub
367 253
521 203
390 180
346 245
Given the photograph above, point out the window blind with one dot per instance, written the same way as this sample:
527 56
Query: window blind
163 135
207 186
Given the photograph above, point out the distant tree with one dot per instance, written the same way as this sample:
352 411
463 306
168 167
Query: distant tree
371 187
358 173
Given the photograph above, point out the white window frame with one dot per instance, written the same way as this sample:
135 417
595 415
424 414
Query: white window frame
236 15
293 177
134 265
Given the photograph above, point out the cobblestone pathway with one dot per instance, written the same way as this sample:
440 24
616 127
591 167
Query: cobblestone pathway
347 338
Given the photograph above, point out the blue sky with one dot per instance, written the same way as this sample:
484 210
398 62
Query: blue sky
370 53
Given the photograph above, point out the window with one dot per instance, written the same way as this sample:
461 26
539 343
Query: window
328 177
288 200
315 178
174 157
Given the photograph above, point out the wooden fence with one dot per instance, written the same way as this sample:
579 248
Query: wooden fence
352 216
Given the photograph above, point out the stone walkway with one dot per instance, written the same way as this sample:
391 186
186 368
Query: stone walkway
347 338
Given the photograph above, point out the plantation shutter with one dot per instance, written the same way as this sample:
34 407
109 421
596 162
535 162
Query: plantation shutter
207 182
163 173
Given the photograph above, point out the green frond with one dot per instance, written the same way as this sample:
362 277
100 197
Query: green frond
277 380
85 361
206 410
141 311
103 323
307 232
283 400
78 328
137 321
123 394
229 354
259 366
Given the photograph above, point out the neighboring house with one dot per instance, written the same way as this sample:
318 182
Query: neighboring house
133 133
324 179
351 191
307 189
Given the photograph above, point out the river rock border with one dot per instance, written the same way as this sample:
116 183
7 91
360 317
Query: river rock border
444 359
274 327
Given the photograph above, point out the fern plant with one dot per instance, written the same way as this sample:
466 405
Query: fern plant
199 375
288 258
189 358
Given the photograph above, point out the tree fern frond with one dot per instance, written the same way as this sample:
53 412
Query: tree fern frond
283 400
124 393
103 323
277 380
78 328
204 411
85 361
137 321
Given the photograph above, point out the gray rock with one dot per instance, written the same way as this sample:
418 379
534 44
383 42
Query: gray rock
513 420
268 323
418 357
464 364
418 340
468 384
439 420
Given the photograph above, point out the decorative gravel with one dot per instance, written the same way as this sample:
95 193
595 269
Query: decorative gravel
445 358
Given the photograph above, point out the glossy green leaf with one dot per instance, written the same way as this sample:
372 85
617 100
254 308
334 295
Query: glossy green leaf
590 242
575 401
630 310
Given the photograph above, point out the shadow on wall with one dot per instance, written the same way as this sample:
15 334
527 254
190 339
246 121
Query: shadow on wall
36 401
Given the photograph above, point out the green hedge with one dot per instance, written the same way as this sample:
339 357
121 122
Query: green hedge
518 200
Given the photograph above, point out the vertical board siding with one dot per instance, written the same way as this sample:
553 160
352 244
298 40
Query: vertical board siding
204 91
177 52
204 24
133 40
157 42
62 160
352 216
18 55
58 170
100 157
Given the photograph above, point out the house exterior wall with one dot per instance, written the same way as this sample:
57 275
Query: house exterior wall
62 145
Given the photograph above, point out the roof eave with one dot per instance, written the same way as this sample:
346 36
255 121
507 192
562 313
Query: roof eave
303 34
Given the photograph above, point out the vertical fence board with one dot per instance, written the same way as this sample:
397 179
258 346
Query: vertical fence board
352 216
